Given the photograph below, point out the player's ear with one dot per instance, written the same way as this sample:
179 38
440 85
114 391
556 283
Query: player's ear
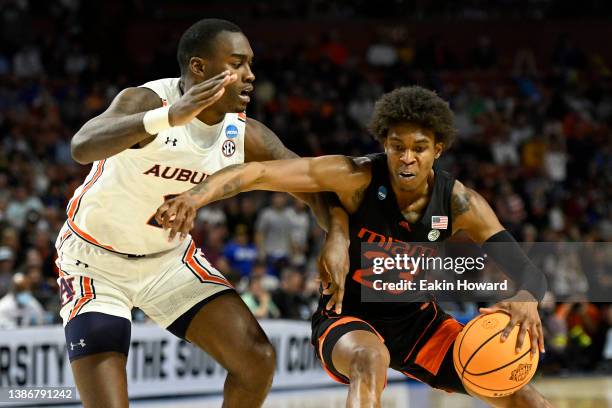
385 142
438 148
197 66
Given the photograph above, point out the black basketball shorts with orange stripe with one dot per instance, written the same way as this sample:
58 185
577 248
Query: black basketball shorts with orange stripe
420 342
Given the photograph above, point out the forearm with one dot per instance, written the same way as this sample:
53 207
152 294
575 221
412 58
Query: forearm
103 137
226 183
506 252
289 176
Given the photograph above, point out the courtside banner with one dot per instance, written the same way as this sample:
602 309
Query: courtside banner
159 364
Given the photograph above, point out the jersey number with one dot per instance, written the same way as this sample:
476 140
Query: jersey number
152 222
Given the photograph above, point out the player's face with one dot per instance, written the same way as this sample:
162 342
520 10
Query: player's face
411 151
233 53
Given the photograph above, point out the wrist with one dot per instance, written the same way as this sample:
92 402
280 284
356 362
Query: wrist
157 120
523 295
339 235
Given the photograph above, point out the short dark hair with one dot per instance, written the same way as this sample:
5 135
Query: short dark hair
198 40
415 105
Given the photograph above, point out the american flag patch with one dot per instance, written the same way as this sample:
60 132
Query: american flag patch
439 222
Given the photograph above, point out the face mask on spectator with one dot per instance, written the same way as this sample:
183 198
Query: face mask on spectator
23 298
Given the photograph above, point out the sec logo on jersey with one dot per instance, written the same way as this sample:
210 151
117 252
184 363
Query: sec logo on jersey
228 148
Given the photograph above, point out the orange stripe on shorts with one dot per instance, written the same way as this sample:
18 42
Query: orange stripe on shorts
432 353
88 295
202 272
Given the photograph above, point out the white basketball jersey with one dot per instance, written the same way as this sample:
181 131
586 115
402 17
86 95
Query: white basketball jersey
114 207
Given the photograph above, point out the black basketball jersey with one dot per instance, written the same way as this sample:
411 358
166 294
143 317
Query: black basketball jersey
379 222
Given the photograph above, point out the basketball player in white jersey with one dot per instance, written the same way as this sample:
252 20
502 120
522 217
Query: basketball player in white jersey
155 141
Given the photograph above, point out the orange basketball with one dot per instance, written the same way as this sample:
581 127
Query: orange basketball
487 366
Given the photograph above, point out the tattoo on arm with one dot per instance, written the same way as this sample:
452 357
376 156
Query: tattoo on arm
460 203
229 188
358 196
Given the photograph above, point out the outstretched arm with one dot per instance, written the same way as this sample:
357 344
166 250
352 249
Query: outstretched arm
325 173
472 213
342 175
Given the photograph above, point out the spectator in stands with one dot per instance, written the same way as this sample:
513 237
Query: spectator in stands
259 301
240 253
289 296
273 233
554 326
19 308
587 333
7 263
484 56
300 228
22 202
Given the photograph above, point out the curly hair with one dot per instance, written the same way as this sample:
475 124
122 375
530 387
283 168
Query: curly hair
415 105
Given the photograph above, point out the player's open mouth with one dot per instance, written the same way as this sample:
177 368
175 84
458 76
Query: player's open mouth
406 175
244 94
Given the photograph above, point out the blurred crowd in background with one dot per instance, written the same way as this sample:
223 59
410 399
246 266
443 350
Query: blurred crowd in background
534 135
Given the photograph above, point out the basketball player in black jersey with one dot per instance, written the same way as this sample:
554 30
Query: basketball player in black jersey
390 195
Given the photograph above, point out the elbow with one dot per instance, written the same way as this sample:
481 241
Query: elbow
78 151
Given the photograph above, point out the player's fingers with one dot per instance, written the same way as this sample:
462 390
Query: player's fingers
183 225
330 304
323 273
489 310
159 215
187 224
210 98
508 329
535 337
178 221
168 215
328 287
201 94
520 339
190 227
210 83
339 297
214 89
540 337
208 92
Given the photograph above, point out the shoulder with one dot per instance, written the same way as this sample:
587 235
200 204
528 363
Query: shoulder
472 213
460 198
134 100
261 143
255 127
352 189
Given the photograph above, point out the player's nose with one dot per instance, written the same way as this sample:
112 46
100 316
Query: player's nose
407 157
249 75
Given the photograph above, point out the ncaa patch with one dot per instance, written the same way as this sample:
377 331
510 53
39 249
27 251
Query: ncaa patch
231 131
382 193
228 148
